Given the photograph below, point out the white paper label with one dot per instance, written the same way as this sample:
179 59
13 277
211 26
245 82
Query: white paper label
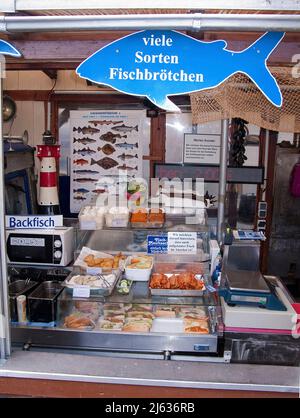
81 292
91 225
182 242
119 223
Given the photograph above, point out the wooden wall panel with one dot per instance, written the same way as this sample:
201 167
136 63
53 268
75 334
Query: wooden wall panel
33 80
66 80
157 141
11 80
37 81
29 116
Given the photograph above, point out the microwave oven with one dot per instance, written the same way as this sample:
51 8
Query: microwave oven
49 247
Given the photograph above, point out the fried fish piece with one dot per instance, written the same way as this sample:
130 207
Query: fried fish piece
196 329
89 260
116 261
78 322
106 263
196 325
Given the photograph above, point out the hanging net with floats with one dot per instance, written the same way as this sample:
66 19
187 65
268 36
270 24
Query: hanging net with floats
238 97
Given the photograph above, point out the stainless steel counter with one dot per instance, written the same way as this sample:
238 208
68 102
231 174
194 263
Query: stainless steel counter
183 374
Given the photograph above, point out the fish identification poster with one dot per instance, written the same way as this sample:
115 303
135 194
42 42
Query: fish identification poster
103 143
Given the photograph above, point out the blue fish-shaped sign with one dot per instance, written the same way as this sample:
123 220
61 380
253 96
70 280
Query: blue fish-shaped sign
8 49
157 64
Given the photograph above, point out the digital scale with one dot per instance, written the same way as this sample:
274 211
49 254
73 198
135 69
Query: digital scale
249 288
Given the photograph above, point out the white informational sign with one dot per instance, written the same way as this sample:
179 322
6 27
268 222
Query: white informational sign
182 242
34 221
81 292
201 149
103 143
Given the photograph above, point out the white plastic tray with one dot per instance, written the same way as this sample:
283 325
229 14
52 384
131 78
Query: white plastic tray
79 262
137 275
104 290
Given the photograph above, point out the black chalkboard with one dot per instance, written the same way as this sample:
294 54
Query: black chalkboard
210 173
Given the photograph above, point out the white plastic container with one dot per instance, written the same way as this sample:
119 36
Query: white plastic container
168 325
117 217
92 217
135 274
21 308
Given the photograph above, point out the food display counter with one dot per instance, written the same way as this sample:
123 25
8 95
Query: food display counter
161 334
167 306
140 301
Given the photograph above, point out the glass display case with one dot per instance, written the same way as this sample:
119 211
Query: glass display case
140 322
135 240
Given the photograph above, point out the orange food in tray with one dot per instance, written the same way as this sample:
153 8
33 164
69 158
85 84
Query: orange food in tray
183 281
196 329
196 326
143 216
156 215
105 263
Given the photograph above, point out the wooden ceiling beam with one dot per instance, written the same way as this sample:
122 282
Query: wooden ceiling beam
71 53
28 95
41 65
108 36
108 96
67 36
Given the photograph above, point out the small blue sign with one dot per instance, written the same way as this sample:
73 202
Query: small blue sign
8 49
157 244
33 221
249 235
156 64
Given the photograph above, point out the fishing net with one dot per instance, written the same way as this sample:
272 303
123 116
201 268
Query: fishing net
238 97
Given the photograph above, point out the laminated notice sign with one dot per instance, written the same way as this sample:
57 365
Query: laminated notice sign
182 242
201 149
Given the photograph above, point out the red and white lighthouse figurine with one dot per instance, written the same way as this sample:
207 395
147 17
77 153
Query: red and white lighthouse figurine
48 202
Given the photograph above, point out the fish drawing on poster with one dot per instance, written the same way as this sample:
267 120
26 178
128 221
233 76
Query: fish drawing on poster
103 143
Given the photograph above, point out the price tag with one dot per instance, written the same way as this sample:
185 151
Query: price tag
94 271
121 223
90 225
81 292
182 242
